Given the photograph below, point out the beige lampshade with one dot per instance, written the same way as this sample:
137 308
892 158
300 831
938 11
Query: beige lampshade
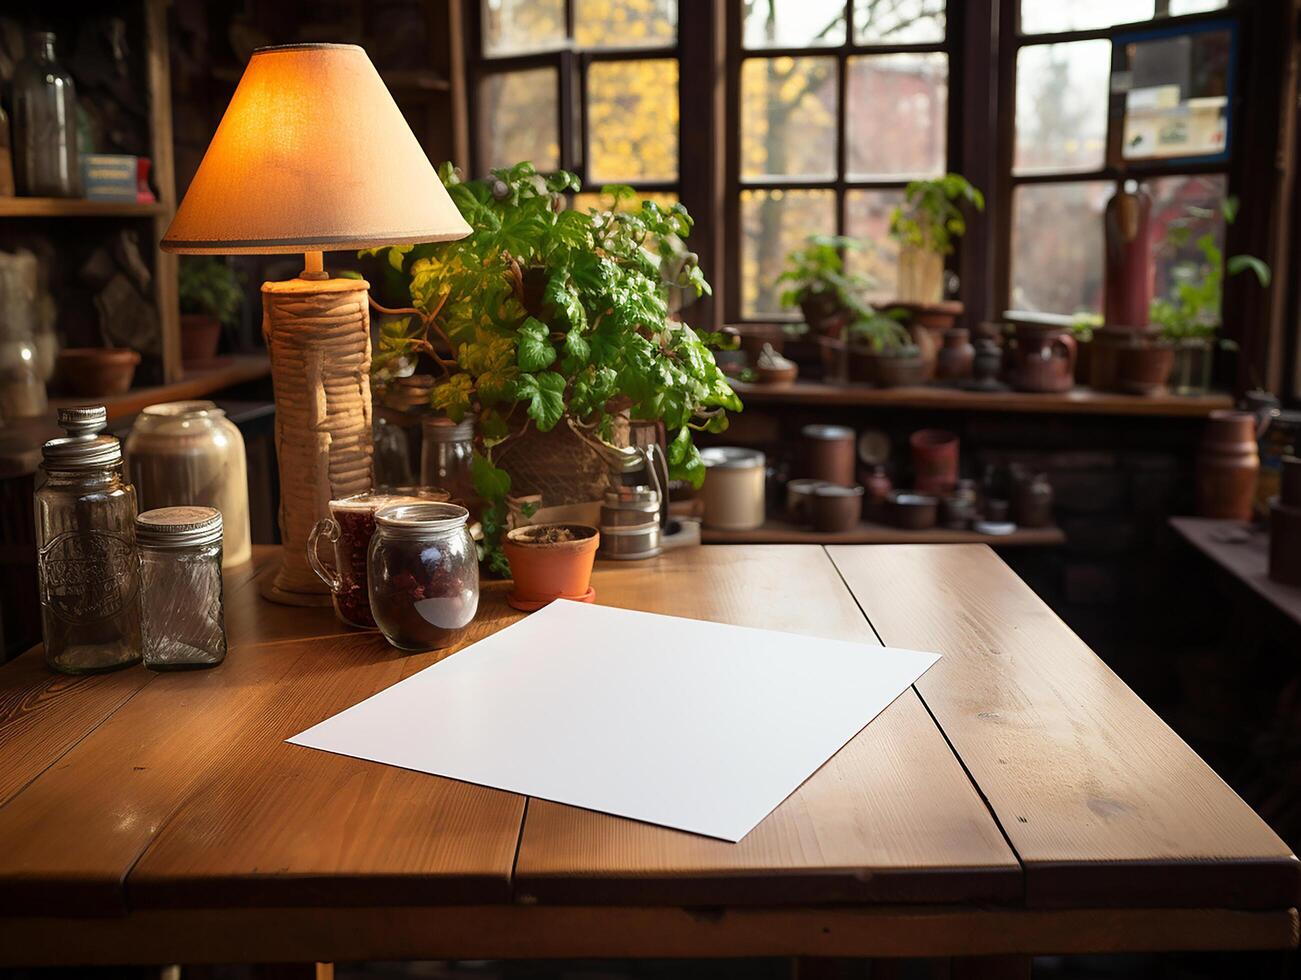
312 155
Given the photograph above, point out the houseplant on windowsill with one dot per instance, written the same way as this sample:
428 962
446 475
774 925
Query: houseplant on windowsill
210 298
552 327
881 351
1190 319
828 296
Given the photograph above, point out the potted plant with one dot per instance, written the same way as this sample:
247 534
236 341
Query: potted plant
875 335
1189 320
210 297
551 325
828 296
549 562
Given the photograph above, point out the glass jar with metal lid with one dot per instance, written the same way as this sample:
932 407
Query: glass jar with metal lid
446 458
182 622
86 552
423 574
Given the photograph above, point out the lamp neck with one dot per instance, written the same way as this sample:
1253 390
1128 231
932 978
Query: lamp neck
313 267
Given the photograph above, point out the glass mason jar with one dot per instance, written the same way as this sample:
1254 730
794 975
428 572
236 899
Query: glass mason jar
424 575
45 123
22 383
182 620
188 453
86 556
446 458
349 528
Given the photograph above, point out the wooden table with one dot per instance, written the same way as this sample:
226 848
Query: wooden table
1242 551
1019 799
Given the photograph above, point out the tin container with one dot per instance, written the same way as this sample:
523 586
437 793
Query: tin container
733 491
829 453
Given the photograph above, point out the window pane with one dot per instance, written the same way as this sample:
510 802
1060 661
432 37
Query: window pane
794 23
899 22
515 26
625 23
1057 247
867 219
788 117
773 223
1050 16
1184 206
896 119
1179 7
1061 106
595 199
632 119
518 118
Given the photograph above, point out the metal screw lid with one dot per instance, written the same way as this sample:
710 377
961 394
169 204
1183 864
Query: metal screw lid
81 452
178 527
821 431
420 520
83 420
441 429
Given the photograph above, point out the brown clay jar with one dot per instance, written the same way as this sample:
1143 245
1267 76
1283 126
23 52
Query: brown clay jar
829 453
1042 358
935 460
1227 466
837 508
955 357
1032 502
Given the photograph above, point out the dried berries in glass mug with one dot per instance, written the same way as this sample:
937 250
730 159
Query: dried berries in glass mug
349 528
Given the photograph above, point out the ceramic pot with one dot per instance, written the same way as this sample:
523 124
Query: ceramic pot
1104 356
935 460
755 337
1144 368
898 371
877 486
1032 502
550 561
986 364
1042 358
1227 465
96 372
955 357
912 511
829 453
1285 526
959 509
824 313
200 335
799 500
927 323
837 508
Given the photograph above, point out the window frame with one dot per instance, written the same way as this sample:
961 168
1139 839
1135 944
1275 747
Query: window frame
841 183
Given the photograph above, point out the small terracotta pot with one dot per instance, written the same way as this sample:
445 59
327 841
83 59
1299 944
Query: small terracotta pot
824 313
953 362
95 372
1227 466
837 508
544 569
935 460
1144 368
912 511
799 500
777 377
898 372
200 335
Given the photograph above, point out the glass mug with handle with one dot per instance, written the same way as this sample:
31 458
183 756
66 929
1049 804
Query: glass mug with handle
349 528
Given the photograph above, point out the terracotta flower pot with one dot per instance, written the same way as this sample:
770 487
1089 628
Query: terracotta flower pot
551 561
935 460
200 335
94 372
898 371
1227 466
1144 368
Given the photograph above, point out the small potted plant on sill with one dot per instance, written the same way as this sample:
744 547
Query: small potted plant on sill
1189 320
882 352
210 298
926 226
825 293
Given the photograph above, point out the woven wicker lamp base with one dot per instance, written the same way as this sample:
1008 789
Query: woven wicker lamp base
318 335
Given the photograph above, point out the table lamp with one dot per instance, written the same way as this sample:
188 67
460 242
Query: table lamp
313 155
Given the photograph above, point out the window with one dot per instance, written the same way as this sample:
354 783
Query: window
1080 86
838 105
584 85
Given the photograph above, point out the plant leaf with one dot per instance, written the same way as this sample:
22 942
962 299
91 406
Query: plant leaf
535 351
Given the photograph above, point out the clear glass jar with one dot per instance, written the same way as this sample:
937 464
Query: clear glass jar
447 457
188 453
22 383
45 123
86 556
182 619
424 575
349 529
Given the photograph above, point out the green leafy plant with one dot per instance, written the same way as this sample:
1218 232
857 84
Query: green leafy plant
818 270
931 216
882 333
1193 312
208 286
1083 325
544 313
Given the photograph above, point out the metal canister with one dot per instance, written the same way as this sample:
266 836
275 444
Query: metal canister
734 488
630 524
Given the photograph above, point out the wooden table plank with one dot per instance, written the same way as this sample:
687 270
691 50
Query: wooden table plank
890 818
1102 802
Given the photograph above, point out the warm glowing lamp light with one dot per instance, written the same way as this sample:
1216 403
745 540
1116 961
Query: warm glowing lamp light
313 155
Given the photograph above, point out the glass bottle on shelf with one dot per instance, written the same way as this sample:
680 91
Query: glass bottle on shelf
182 622
86 554
6 156
446 458
45 123
22 385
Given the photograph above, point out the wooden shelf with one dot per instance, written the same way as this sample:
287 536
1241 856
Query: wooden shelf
225 372
1242 550
1080 401
781 532
69 207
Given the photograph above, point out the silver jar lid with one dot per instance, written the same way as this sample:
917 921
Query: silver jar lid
420 520
181 409
439 428
178 527
632 496
821 431
83 420
81 452
731 458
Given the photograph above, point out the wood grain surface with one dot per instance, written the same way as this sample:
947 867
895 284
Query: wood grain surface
1102 802
890 818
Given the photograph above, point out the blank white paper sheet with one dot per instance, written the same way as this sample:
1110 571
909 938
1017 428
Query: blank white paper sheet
693 725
